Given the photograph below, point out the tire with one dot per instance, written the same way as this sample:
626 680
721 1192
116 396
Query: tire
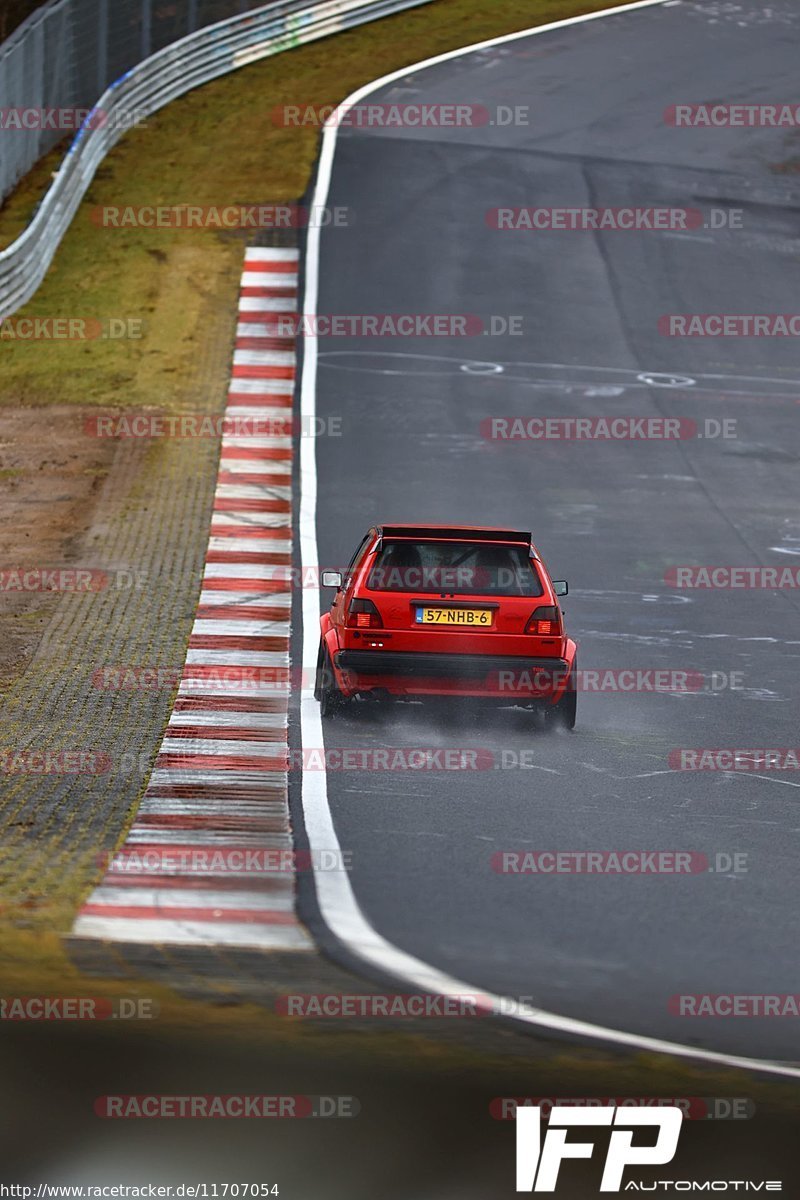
326 689
320 664
564 713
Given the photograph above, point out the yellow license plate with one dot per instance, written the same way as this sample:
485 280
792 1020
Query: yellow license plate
470 618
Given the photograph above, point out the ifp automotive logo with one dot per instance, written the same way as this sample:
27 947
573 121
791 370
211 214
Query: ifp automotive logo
539 1160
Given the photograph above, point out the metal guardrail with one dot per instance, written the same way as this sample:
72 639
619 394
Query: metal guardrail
58 61
173 71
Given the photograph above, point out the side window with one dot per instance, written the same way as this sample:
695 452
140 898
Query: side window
356 560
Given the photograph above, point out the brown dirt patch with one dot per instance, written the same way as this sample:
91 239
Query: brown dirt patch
50 478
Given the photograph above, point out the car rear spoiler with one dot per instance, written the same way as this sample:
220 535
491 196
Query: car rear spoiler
442 533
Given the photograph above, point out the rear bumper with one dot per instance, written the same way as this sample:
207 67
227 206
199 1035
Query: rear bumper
493 672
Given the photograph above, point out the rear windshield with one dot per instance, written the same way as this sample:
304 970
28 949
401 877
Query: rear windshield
454 569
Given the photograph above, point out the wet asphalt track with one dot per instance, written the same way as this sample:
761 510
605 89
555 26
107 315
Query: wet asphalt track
609 517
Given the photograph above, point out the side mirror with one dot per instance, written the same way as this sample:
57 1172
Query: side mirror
332 579
560 587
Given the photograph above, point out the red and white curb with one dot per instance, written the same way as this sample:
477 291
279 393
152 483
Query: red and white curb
191 870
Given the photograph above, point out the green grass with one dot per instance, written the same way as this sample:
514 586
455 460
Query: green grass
217 145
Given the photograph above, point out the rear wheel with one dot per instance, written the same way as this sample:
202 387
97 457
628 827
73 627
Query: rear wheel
326 689
563 714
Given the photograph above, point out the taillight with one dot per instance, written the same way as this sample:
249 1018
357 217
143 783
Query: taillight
545 622
362 614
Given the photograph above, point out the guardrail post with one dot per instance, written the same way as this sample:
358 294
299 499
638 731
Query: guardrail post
102 47
192 16
147 27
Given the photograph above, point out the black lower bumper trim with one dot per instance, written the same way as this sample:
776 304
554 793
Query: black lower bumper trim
452 666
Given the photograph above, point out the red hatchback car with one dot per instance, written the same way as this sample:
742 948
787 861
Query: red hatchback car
429 610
